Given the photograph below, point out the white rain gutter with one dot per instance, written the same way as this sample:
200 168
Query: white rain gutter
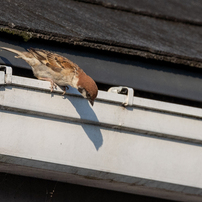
147 147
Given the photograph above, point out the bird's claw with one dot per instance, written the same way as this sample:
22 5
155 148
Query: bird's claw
64 90
53 85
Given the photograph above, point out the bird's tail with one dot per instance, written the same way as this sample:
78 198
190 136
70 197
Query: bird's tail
13 50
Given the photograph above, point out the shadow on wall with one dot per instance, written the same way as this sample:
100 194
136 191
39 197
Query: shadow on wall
86 113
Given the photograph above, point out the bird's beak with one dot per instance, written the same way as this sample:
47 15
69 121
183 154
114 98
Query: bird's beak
91 102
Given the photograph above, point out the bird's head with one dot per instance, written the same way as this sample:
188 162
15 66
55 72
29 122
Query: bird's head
88 88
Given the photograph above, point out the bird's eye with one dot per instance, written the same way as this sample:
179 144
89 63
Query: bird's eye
87 95
80 90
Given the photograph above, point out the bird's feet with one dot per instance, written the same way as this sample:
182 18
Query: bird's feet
53 85
64 89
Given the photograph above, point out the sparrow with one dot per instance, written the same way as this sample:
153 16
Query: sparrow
58 70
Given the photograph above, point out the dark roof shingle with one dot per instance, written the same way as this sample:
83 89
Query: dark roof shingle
116 30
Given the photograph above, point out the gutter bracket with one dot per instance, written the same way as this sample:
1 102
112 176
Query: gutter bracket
8 76
129 97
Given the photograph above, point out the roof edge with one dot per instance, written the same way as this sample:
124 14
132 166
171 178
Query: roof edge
105 45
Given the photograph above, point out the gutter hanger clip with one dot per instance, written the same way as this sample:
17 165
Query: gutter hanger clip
8 75
122 89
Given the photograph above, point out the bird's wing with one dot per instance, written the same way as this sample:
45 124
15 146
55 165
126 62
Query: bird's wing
53 60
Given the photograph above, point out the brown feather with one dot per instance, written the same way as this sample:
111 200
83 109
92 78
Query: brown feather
65 63
53 60
54 68
37 54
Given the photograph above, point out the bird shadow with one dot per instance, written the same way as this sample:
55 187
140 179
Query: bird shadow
86 113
